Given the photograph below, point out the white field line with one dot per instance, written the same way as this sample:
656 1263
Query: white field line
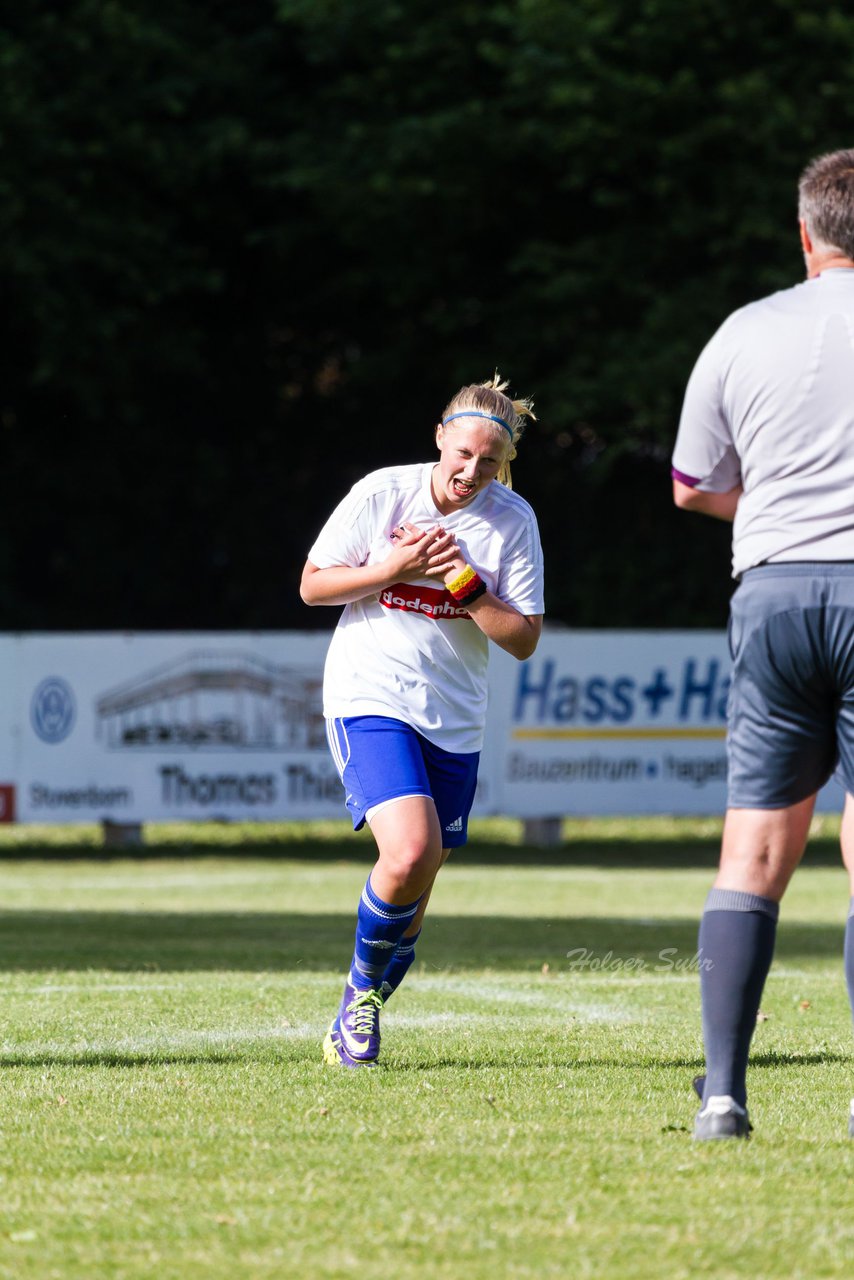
200 879
557 1002
655 977
807 975
64 988
550 999
165 1043
555 986
590 1013
188 1041
163 980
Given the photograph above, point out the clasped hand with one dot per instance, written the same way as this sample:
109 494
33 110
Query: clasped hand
431 553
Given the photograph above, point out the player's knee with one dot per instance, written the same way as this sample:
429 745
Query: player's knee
412 861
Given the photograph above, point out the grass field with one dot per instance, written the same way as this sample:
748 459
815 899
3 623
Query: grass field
164 1111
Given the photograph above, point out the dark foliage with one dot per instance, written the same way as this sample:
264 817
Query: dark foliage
247 252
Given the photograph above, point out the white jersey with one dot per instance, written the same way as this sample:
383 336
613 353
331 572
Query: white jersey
411 652
770 405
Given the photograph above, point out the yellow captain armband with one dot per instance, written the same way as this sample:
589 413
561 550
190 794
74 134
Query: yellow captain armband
467 586
462 580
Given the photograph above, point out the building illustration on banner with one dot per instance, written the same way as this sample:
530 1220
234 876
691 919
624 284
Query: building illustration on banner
214 699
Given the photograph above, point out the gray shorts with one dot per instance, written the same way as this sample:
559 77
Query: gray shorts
791 702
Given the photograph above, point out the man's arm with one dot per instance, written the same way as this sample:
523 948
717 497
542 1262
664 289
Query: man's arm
720 505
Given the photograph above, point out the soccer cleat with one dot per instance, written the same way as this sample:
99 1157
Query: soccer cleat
359 1022
721 1117
334 1053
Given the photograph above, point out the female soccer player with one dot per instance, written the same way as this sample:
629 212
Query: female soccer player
432 561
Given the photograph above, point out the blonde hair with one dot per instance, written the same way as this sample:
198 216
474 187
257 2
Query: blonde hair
488 398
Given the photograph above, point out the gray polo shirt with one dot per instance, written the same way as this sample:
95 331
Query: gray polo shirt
770 405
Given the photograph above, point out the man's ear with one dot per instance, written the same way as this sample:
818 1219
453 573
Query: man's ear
806 242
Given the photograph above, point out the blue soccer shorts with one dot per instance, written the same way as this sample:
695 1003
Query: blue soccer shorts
380 760
791 702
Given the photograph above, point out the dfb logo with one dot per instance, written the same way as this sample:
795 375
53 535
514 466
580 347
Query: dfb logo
52 710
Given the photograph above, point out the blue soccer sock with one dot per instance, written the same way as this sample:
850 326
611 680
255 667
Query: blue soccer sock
849 955
736 946
379 927
400 964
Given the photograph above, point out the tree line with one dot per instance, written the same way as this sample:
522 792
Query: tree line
248 252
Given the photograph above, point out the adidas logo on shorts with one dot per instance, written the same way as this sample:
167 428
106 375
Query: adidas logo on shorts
456 825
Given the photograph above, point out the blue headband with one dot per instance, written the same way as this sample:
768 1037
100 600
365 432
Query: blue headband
476 413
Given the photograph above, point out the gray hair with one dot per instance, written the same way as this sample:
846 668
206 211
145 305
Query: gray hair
826 201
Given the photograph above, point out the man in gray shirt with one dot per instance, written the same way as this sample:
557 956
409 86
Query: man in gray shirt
766 440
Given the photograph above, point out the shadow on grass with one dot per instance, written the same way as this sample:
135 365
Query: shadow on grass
602 851
269 941
124 1060
548 1057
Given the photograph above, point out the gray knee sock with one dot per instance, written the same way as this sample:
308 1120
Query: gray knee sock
736 945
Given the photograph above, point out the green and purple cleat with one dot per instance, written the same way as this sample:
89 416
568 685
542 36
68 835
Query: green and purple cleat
353 1040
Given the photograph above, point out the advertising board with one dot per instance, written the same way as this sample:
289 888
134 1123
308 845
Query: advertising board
152 727
158 726
614 722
